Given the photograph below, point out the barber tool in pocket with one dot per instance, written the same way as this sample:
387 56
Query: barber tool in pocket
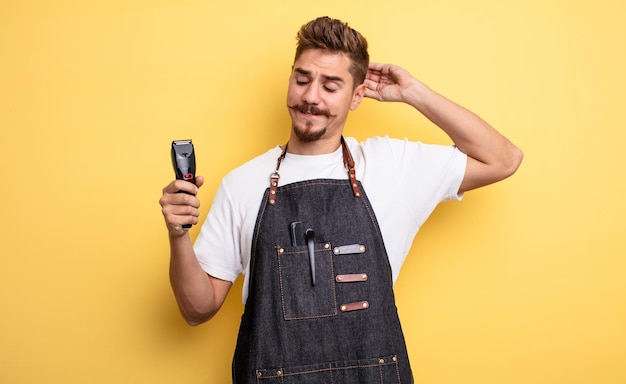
300 236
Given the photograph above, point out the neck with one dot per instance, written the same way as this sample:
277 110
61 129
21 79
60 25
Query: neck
318 147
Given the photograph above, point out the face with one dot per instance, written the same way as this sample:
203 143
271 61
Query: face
321 93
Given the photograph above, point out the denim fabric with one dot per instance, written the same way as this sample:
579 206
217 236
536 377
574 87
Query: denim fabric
295 332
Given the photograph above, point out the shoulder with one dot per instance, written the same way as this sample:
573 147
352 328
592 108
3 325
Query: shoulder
401 162
244 185
253 170
398 149
386 150
257 163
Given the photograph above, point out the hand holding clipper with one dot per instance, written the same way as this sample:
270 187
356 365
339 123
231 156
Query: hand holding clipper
184 163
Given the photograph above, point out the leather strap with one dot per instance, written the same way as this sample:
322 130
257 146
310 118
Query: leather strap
348 162
354 306
349 249
351 278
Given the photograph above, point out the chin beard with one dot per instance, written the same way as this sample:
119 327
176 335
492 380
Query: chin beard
306 135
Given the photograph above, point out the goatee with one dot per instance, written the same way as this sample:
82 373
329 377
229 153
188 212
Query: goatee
306 135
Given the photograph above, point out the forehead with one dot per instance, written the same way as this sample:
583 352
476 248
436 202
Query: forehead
317 62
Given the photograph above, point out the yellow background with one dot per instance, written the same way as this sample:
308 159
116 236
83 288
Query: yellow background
521 282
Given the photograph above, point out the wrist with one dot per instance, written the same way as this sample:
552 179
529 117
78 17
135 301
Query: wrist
416 94
178 234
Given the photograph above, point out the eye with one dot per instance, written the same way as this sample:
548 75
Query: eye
330 88
302 80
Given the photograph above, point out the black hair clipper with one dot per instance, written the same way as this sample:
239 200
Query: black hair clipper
184 163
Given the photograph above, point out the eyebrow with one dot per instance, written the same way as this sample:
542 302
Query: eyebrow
305 72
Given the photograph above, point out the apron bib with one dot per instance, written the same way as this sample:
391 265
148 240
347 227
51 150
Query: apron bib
321 307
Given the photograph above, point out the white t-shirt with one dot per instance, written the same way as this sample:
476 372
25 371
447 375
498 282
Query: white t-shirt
403 180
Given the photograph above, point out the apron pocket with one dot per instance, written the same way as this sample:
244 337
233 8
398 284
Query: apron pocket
300 298
380 370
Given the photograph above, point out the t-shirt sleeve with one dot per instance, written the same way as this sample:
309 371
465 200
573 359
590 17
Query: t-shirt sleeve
217 245
442 165
431 169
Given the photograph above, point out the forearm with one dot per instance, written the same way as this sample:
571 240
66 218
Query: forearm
193 288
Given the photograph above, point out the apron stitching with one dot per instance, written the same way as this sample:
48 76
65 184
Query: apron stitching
282 297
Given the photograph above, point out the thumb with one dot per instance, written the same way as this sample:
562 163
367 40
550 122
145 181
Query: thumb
199 181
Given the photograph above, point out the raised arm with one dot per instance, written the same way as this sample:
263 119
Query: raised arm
491 156
199 295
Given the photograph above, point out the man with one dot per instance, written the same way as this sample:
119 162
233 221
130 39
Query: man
321 241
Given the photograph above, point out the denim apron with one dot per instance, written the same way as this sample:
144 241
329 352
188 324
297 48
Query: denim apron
321 307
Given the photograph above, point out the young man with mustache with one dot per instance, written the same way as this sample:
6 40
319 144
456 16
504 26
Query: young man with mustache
321 241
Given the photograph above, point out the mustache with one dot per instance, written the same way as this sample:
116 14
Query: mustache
310 109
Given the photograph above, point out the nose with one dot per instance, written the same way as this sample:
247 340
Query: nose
312 94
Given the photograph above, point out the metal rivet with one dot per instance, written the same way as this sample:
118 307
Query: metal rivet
339 278
365 305
279 373
272 201
381 361
327 245
281 250
274 183
364 276
362 248
343 308
395 358
357 194
258 374
273 192
336 250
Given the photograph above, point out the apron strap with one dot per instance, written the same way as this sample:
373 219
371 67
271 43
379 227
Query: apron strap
348 162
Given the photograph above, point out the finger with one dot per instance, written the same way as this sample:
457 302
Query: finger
375 66
372 76
177 186
181 214
170 201
178 215
173 187
185 199
372 94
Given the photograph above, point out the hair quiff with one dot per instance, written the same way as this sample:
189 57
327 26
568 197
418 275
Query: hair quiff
335 36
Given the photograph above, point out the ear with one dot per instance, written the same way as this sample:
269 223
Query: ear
357 96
